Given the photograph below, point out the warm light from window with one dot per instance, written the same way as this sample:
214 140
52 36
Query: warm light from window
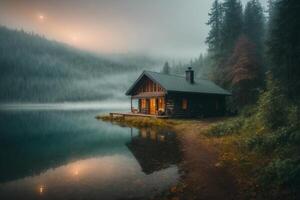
161 104
41 189
143 103
184 104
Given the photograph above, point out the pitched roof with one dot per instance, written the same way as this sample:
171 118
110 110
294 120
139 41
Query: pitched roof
174 83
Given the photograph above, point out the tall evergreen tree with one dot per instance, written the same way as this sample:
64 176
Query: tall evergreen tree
284 45
231 29
215 22
213 39
254 25
166 68
232 25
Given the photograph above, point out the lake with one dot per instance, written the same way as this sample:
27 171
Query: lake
68 154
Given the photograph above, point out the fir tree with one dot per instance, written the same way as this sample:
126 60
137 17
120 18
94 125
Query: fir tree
254 25
166 68
284 45
215 22
231 26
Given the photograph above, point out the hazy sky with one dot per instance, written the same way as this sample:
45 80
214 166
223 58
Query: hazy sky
173 28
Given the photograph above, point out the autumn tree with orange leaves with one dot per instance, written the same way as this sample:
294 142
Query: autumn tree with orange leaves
244 72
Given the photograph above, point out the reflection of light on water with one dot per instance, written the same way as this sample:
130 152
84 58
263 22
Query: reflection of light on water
76 168
120 171
143 133
76 172
162 138
153 134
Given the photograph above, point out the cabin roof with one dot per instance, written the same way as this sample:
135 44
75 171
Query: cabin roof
174 83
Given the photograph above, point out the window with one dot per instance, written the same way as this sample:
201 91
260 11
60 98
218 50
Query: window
143 103
184 104
161 104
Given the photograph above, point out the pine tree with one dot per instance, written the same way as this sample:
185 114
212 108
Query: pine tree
284 45
215 22
231 26
166 68
213 39
254 25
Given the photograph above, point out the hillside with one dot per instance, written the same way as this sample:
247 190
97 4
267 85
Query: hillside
34 69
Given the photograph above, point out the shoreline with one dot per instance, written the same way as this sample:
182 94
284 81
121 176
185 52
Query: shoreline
204 177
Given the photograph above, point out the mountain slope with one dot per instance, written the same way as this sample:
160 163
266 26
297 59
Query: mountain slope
34 69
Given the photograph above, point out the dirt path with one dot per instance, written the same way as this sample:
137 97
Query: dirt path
204 177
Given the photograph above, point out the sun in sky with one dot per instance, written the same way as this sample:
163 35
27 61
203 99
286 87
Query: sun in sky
41 17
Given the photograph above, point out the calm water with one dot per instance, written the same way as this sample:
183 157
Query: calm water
69 154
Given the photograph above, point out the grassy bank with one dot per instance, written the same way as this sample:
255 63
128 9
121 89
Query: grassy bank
199 158
138 122
262 145
264 158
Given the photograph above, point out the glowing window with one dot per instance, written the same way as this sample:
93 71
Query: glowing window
184 104
161 104
143 103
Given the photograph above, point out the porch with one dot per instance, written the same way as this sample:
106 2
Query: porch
153 105
116 114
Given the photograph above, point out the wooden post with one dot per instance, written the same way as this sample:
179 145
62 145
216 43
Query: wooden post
156 105
165 102
131 104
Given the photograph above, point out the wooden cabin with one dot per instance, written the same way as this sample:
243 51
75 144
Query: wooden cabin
177 96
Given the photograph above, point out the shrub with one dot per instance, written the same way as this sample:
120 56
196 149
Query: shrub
282 172
294 116
294 137
248 111
226 128
269 141
272 110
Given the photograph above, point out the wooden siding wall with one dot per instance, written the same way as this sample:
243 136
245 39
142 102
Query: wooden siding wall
197 105
148 85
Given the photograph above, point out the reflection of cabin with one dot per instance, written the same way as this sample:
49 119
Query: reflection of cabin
176 96
155 149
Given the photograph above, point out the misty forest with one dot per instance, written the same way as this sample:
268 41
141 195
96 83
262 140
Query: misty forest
253 51
35 69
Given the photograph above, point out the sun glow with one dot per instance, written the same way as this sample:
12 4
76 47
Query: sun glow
74 38
41 17
76 172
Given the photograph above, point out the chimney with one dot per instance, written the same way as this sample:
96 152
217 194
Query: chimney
189 75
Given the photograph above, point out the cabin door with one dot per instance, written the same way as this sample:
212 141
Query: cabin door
152 106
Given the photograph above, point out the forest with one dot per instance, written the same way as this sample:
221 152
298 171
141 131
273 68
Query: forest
256 55
35 69
253 51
